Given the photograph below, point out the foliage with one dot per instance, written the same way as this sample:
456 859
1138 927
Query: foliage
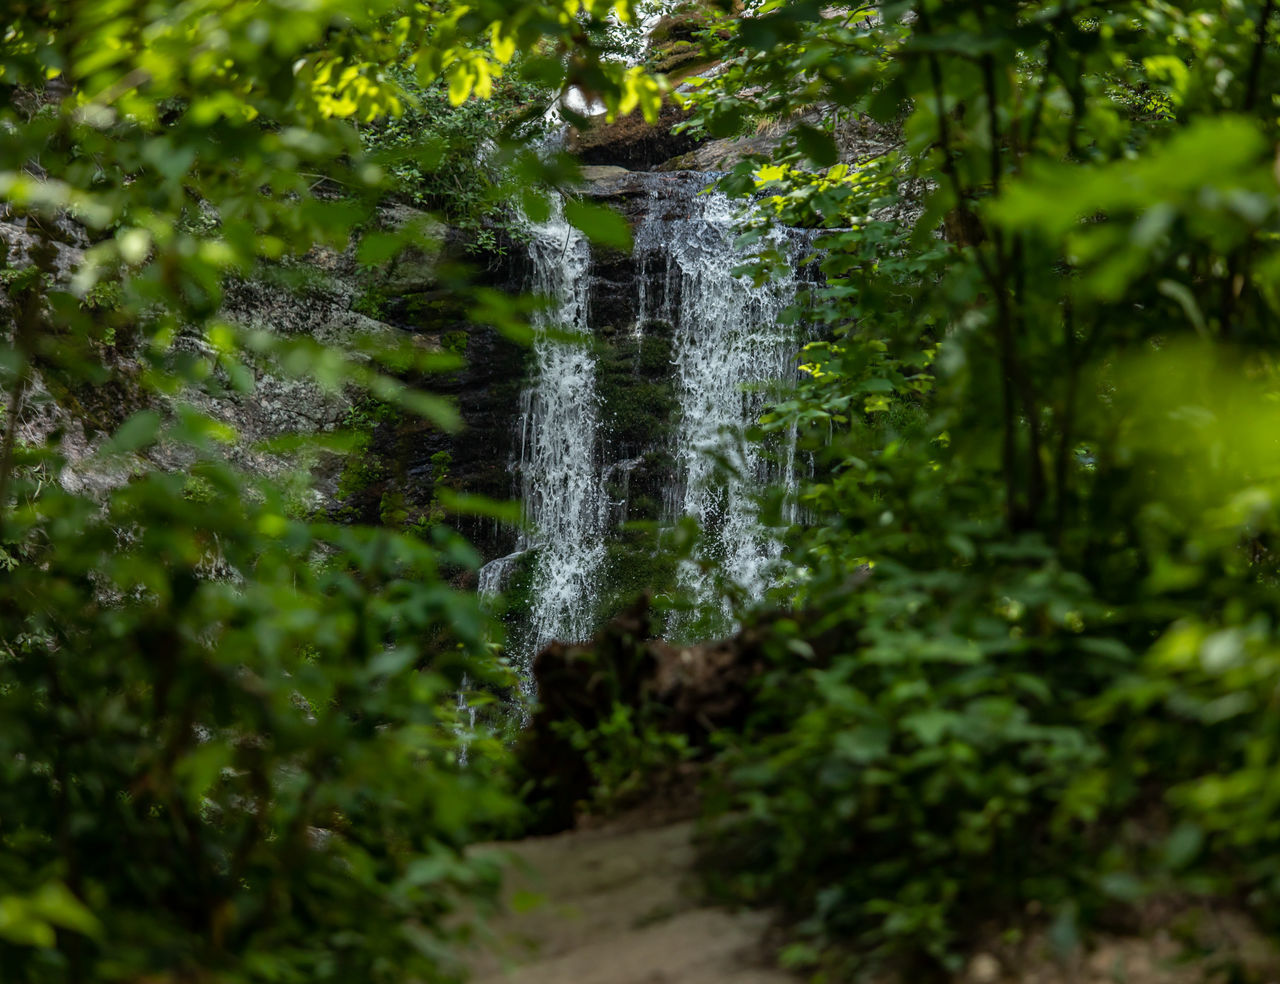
228 736
1036 668
1041 564
443 156
626 756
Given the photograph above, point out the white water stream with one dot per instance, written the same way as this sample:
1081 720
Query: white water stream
563 499
732 351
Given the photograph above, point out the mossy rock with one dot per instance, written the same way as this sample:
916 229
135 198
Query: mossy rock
425 310
674 45
682 24
636 564
636 387
672 58
455 341
100 406
648 482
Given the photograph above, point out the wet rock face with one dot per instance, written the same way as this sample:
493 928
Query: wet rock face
643 376
480 459
633 380
632 143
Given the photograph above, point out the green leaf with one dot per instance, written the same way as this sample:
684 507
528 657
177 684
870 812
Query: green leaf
55 902
199 769
137 432
462 504
601 225
930 725
1183 846
1122 886
536 207
29 921
377 248
19 923
817 145
392 661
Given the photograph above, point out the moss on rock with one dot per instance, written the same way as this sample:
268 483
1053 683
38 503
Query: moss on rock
637 391
636 563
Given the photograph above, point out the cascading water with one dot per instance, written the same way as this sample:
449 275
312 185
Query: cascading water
560 471
731 349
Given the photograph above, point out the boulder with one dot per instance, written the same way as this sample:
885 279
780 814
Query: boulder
415 268
594 174
686 690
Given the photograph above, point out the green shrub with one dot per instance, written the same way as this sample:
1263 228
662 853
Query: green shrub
435 152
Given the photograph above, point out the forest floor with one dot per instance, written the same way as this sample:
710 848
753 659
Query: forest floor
620 904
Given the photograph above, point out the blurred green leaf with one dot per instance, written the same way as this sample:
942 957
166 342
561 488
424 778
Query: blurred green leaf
600 224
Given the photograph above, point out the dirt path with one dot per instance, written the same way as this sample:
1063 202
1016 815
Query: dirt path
618 906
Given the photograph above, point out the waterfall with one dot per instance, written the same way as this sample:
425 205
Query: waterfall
563 498
731 350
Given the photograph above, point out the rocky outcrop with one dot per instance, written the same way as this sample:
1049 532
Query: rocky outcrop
326 296
58 406
857 139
